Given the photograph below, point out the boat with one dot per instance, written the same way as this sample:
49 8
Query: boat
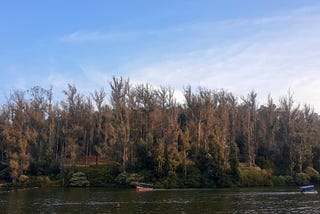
308 190
143 187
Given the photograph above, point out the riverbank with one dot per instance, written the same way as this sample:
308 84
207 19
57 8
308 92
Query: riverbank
110 176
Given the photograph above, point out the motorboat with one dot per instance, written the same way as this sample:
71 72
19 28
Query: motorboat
143 189
308 189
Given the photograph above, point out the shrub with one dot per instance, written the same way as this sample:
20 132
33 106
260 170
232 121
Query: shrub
314 174
48 167
302 179
289 180
193 178
278 180
171 181
40 181
100 175
254 176
128 179
23 179
78 179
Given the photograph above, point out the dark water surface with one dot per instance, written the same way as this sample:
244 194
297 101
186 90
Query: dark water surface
100 200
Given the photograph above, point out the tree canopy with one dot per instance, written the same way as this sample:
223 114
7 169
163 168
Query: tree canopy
142 129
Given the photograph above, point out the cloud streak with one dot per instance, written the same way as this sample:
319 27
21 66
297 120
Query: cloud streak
273 55
267 54
96 36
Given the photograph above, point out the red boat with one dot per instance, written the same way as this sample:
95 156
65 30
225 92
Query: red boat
143 189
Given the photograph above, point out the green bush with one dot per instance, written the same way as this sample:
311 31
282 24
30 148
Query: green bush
263 163
128 179
313 174
193 179
40 181
254 176
44 167
78 179
278 180
302 179
171 181
32 181
289 180
101 176
23 179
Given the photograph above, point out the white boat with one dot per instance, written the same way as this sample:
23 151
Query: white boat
308 190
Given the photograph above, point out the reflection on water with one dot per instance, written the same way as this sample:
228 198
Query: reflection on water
99 200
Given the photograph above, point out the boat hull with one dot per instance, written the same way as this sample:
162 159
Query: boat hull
143 189
308 190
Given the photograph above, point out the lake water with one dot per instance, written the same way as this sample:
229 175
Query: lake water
100 200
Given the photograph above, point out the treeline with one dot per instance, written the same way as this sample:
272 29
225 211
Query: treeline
143 130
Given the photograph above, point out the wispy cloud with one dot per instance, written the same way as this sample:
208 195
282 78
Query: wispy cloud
267 54
271 55
96 36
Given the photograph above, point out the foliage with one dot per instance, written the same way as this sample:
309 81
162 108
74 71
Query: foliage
44 167
40 181
171 181
143 134
23 179
234 163
79 179
101 176
313 174
302 179
32 181
255 176
128 179
5 174
289 180
192 179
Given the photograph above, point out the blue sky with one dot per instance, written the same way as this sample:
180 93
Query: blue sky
269 46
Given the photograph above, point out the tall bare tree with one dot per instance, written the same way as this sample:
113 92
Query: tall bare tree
120 95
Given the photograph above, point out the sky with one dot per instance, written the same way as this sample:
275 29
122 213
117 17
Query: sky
268 46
